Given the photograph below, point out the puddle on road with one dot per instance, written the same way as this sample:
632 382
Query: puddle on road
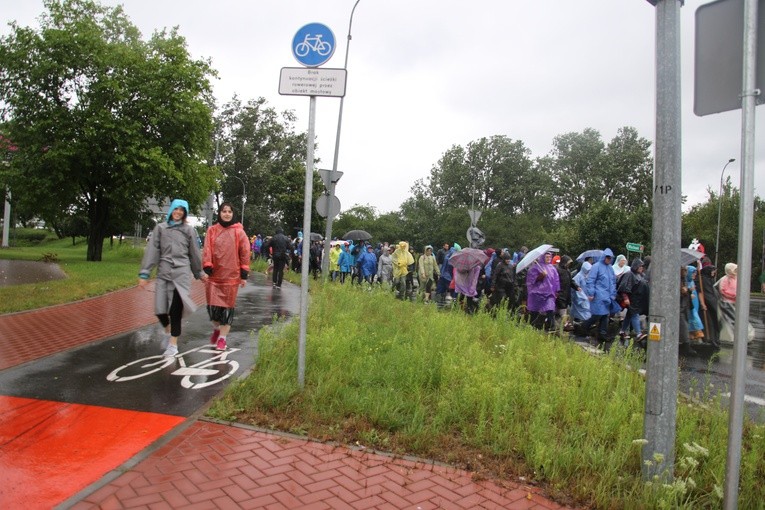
17 272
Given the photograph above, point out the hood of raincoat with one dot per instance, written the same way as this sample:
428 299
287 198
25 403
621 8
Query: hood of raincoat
636 264
607 253
731 269
690 273
456 247
586 267
174 205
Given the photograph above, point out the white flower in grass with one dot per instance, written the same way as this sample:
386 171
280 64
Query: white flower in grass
658 457
691 483
696 448
718 491
640 441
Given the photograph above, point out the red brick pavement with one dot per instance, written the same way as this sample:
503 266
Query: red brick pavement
61 327
218 466
209 465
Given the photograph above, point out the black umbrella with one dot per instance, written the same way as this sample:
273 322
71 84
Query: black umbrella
315 237
357 235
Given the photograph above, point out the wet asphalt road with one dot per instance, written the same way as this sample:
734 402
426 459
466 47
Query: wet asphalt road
180 387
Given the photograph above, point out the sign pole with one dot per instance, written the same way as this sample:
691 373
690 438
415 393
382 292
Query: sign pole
745 226
307 206
661 371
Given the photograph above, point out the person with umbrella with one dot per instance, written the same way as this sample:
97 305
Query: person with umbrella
542 286
601 291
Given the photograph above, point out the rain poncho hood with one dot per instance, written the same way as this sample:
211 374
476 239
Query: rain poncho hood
401 259
606 253
618 270
174 205
601 286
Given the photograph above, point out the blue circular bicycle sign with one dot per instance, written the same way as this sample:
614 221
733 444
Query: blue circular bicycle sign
313 44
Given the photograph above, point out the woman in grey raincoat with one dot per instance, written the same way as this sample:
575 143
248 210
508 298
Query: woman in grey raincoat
174 250
385 265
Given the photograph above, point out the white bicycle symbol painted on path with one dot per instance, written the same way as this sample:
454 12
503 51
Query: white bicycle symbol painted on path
204 369
314 43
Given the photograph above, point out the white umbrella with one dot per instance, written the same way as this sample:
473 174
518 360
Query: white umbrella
689 256
532 256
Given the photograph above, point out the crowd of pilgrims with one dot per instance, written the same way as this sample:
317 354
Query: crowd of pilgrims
603 297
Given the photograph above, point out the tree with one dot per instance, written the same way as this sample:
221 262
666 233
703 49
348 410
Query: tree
586 171
260 148
103 120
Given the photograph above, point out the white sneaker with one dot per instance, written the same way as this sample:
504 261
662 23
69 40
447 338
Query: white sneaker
171 351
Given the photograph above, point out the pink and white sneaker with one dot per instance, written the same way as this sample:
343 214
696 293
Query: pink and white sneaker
221 344
214 337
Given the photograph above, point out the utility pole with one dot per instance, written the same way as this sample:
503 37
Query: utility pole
663 330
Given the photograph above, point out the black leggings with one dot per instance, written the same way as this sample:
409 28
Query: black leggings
174 317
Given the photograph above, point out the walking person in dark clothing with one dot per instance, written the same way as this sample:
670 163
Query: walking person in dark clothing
503 283
281 246
708 298
563 299
441 254
634 291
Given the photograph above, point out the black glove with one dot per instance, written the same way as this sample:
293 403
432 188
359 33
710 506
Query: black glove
207 270
244 274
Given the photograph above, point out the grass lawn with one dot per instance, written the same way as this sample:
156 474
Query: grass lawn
118 270
487 395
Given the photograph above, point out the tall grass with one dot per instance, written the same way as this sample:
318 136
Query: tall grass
118 269
490 395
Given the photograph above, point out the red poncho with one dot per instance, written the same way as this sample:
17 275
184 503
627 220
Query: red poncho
227 252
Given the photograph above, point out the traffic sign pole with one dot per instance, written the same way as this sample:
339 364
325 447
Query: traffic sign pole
661 372
307 206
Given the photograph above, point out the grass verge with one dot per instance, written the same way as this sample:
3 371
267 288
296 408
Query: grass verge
487 395
118 270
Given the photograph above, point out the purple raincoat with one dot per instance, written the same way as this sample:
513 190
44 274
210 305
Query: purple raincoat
541 294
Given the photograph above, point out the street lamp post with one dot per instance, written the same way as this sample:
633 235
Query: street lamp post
328 231
719 208
244 195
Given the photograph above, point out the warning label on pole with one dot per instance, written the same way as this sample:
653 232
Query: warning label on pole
654 331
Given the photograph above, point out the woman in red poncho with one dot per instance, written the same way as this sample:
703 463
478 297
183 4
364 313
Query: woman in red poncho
226 260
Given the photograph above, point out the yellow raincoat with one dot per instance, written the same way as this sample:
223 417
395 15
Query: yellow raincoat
401 259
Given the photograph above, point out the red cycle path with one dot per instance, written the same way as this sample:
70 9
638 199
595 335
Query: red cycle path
43 455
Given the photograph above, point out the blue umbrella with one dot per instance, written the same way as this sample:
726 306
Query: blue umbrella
596 254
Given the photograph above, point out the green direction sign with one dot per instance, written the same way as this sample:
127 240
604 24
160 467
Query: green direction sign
635 247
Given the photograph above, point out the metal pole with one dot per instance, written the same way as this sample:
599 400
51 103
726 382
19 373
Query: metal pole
7 217
307 205
661 373
719 208
244 195
745 226
328 231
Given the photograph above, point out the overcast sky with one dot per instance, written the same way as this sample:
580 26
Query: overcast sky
424 75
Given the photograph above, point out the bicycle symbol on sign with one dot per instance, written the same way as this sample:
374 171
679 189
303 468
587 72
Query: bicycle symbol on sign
201 371
314 43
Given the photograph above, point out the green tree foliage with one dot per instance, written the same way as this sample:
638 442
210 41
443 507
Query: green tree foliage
586 171
103 119
258 147
701 222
